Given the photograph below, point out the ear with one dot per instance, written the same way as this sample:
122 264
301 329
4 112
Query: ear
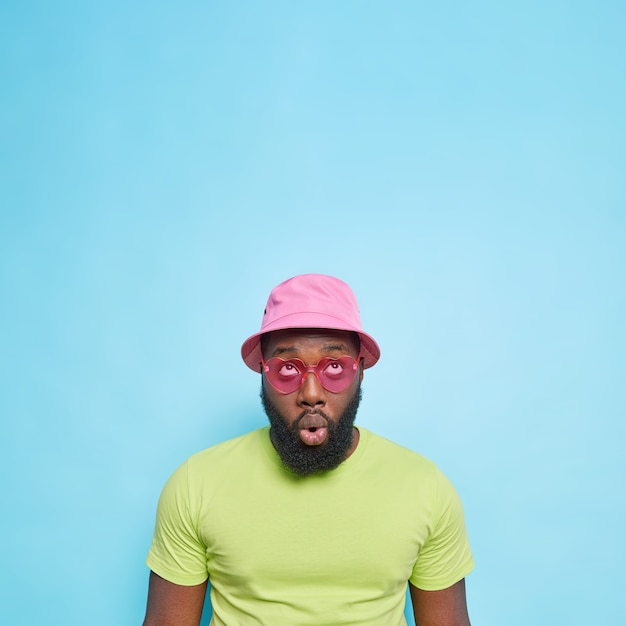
361 369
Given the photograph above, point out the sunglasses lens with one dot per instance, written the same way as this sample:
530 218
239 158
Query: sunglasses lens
284 376
335 375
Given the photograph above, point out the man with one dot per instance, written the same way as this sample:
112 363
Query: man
310 521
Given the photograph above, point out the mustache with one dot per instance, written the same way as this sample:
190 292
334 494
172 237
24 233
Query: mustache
295 425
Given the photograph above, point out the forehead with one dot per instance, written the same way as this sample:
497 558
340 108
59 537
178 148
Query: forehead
309 339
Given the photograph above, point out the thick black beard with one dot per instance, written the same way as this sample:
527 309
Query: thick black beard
304 460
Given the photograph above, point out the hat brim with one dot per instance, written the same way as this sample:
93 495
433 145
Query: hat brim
251 347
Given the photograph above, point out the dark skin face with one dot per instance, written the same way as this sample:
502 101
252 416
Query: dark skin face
313 413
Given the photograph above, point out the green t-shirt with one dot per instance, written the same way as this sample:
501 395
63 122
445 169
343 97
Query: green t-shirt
331 549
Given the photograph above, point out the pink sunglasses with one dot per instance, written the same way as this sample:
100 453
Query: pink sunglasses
335 375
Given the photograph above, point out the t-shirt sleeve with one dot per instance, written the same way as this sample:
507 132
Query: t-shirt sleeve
177 553
445 558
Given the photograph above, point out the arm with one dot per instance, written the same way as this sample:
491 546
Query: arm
174 605
447 607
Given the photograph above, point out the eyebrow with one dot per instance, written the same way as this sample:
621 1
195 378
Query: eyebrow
329 347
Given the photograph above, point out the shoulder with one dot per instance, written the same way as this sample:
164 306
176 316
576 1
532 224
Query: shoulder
380 448
406 468
233 451
220 460
230 446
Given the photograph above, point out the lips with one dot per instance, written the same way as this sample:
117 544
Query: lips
313 429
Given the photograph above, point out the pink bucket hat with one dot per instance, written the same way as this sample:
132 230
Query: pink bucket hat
310 301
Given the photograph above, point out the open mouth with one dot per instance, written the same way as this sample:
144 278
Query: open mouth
313 429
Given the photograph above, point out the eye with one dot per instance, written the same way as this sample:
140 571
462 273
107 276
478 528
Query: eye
288 370
334 369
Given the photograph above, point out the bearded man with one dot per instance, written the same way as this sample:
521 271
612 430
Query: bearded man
310 521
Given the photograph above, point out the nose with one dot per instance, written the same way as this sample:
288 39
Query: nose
311 393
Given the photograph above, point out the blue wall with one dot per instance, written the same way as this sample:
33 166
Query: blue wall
164 165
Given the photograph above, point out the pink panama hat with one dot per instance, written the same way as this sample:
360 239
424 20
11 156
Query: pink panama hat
310 301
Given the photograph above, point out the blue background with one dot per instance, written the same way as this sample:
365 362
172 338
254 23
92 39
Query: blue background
461 164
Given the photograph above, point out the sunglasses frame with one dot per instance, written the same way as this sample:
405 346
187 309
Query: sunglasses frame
305 370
